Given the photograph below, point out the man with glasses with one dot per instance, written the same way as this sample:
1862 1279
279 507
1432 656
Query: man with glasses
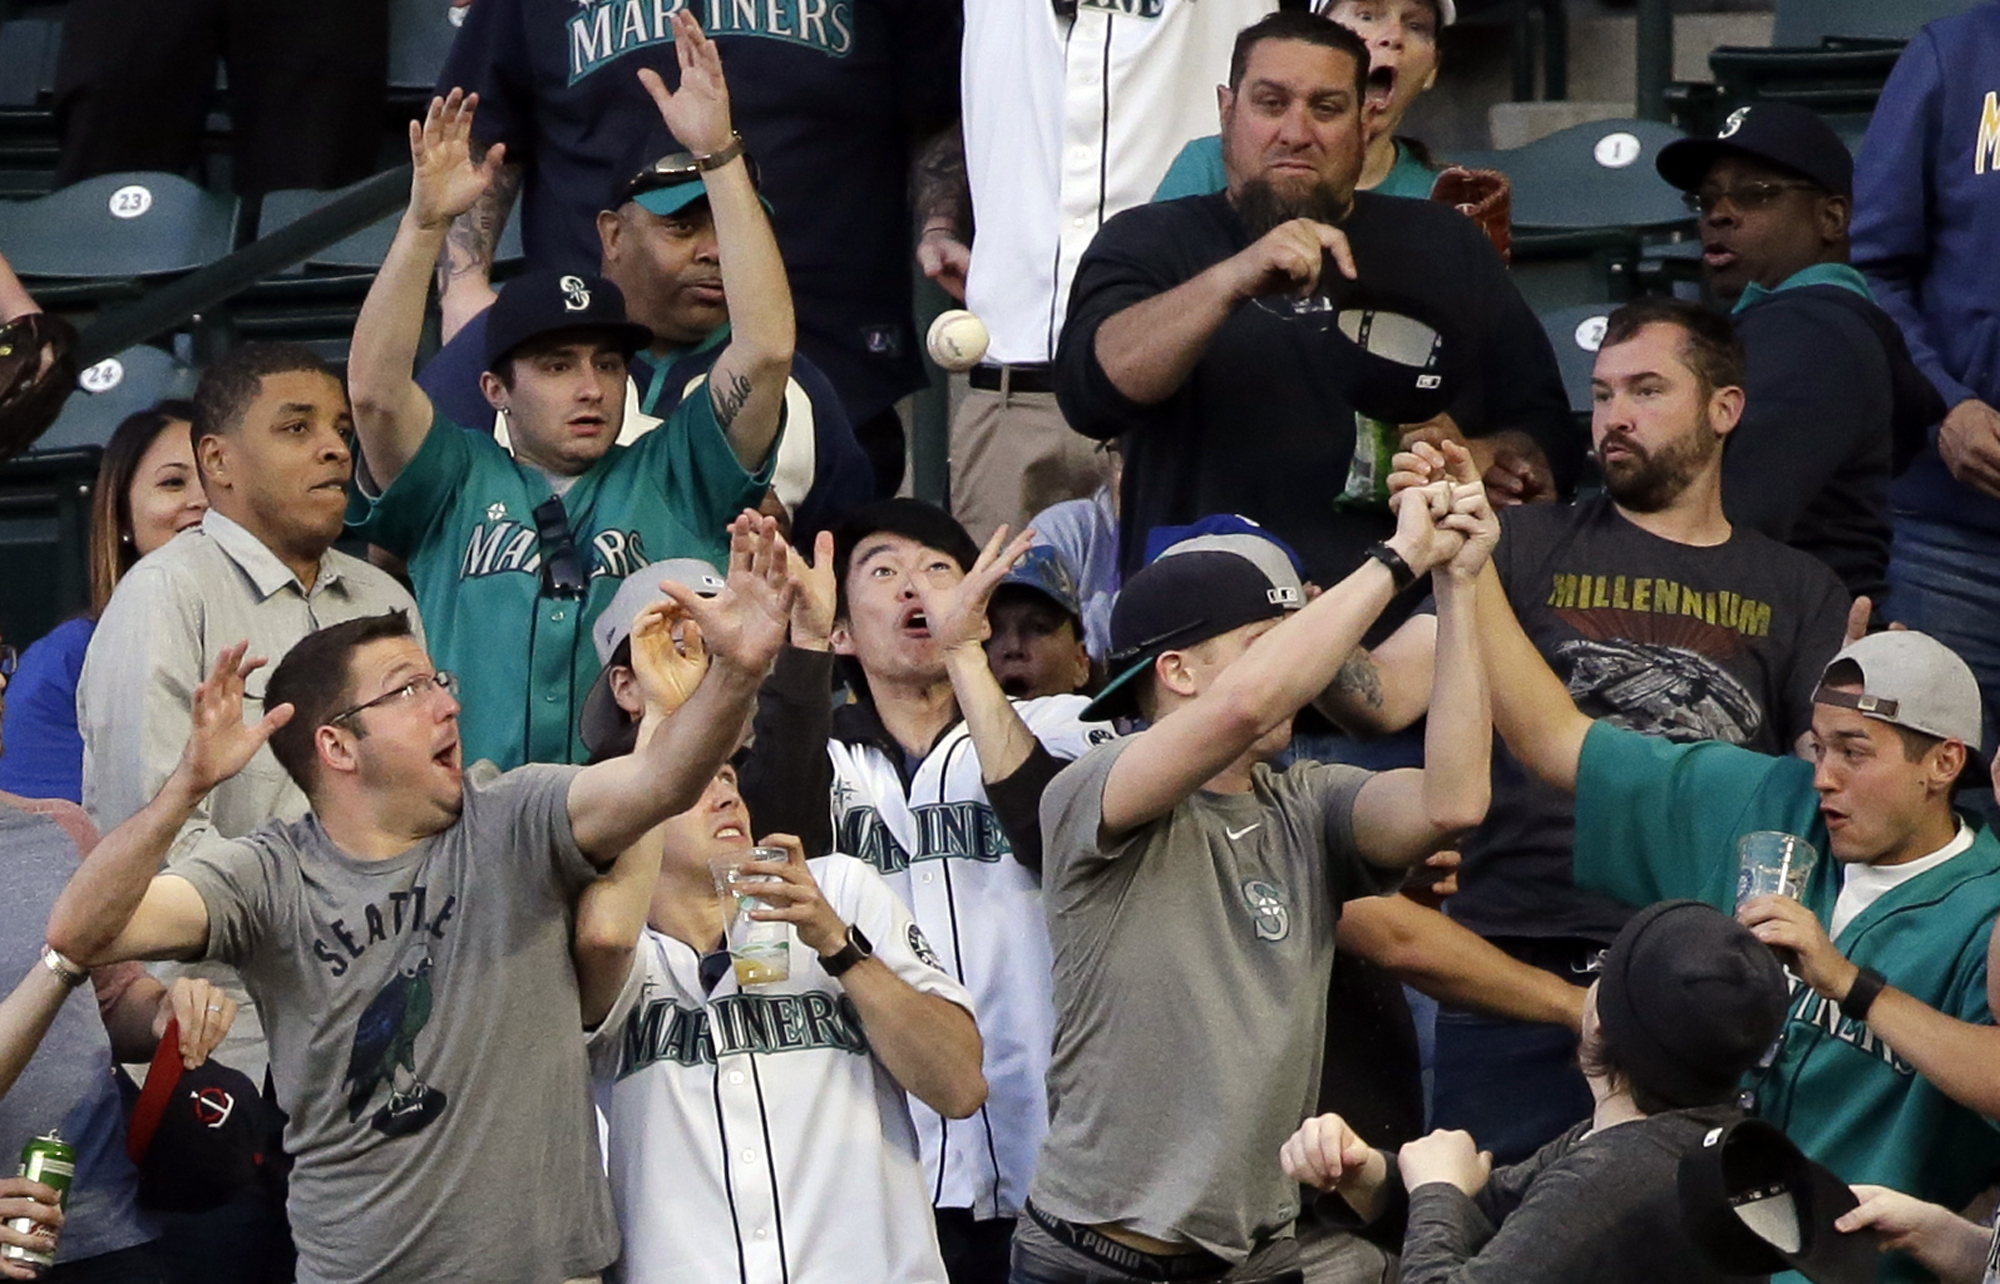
659 248
410 938
513 556
271 425
1833 404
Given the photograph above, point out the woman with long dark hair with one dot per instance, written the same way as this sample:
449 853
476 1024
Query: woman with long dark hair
147 492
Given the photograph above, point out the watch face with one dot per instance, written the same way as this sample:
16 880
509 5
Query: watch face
859 940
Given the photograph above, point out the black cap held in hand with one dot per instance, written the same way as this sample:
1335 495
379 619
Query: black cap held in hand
1689 1001
196 1136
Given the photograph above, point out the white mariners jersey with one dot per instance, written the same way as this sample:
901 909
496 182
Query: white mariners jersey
751 1135
942 849
1067 122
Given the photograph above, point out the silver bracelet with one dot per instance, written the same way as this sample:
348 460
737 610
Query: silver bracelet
72 973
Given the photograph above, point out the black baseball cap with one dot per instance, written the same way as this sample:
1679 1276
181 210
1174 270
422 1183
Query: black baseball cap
1688 1001
914 519
196 1136
1755 1205
1401 356
540 303
1784 134
1182 599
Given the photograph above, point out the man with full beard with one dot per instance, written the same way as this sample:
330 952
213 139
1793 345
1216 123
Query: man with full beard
1183 337
1660 615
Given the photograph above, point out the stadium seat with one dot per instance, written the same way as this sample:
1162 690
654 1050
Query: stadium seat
365 250
1575 333
1809 22
420 35
28 145
112 389
45 540
96 237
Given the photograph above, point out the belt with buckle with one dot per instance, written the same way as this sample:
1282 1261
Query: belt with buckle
1040 377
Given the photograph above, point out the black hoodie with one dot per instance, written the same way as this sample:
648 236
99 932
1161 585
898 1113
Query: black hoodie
1834 407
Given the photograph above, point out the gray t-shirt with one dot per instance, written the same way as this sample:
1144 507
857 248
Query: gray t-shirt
1191 967
426 1038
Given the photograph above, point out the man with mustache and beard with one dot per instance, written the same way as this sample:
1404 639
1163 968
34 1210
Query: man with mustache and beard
1183 339
1660 615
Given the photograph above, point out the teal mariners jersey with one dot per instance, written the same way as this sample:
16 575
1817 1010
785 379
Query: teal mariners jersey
462 515
1656 820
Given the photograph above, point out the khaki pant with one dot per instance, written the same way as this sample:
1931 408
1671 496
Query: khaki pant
1012 456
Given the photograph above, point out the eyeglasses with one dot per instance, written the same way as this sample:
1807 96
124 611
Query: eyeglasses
415 689
10 660
1750 196
562 570
672 170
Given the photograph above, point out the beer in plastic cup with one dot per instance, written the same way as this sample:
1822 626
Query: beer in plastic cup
760 951
1771 863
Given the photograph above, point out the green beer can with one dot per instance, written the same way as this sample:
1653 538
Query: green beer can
51 1161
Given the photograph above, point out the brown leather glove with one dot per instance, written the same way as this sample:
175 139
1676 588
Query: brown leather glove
1484 196
37 374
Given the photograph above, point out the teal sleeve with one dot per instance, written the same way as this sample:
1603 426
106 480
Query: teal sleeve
698 467
402 516
1657 820
1197 171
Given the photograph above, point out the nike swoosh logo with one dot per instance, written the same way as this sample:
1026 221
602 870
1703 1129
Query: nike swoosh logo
1235 834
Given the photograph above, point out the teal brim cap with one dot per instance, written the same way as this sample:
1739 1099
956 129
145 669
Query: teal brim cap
669 201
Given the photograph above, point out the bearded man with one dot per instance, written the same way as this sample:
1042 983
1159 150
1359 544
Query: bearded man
1216 335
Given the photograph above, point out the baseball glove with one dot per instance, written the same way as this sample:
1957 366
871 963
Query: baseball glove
37 374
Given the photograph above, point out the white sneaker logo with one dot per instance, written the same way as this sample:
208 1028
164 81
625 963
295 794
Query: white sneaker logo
1235 834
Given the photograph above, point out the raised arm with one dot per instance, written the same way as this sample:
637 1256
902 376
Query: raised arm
1400 817
465 272
1149 349
612 803
1532 709
1266 685
747 383
956 615
943 199
392 415
116 906
612 911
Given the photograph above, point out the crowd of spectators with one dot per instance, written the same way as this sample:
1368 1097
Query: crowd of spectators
558 814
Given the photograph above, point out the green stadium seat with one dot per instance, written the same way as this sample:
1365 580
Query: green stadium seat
112 389
96 238
45 502
1591 176
1575 333
1808 22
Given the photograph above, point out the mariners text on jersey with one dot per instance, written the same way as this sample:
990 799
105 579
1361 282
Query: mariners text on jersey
603 30
968 830
662 1030
501 545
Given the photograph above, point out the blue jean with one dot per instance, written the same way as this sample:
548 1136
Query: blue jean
1945 581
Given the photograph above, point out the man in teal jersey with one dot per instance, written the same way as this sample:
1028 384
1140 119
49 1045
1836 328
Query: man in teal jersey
1884 1068
514 556
1402 39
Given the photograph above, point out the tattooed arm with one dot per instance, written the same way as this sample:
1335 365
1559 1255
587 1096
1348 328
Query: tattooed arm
465 269
747 383
1385 690
943 200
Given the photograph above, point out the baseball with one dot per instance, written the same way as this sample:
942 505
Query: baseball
957 340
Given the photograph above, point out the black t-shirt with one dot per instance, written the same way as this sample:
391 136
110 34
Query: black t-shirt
1262 427
1722 643
828 97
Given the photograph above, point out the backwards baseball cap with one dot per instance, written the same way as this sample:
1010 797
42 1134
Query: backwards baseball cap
602 719
1688 1001
1908 679
1784 134
1400 357
1755 1205
196 1136
1041 571
538 303
1185 597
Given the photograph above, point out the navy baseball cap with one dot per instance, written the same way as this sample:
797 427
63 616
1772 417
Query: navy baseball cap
1042 571
539 303
1784 134
1183 599
1402 367
196 1136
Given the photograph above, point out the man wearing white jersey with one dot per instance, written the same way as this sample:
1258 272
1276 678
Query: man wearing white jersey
1073 110
759 1132
937 780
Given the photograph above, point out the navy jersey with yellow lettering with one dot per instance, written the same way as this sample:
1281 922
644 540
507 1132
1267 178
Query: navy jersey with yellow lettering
828 95
1720 643
462 515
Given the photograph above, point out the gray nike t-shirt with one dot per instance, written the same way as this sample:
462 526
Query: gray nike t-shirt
425 1038
1191 967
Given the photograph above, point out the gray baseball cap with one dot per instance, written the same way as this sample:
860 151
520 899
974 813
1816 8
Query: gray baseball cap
602 717
1910 679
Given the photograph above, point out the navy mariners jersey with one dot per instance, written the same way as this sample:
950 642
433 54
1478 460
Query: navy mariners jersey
462 515
827 95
